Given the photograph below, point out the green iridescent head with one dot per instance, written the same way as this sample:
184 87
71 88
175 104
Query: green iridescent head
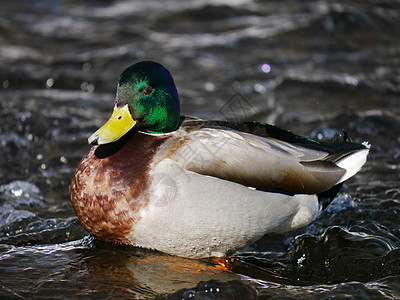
146 99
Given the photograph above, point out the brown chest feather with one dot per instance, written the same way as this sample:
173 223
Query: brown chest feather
110 186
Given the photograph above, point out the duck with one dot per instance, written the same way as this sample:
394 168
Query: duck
196 188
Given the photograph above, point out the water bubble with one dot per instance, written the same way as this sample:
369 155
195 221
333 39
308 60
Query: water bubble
63 159
23 116
87 67
39 156
209 87
87 87
84 86
266 68
6 84
49 82
91 88
43 166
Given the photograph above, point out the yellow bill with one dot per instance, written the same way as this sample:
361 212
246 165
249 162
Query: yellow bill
119 123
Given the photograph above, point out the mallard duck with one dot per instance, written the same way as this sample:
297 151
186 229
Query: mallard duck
199 188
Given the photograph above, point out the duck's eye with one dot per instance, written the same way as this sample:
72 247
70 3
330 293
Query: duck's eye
148 90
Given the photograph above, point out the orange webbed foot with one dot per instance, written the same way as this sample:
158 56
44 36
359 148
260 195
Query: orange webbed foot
223 263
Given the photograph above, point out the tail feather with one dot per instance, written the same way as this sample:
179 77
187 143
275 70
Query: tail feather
353 162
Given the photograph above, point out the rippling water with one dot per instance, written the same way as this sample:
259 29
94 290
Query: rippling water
314 67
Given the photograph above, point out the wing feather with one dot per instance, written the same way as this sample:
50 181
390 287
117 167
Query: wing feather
263 161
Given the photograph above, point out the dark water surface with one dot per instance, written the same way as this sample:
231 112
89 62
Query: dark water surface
314 67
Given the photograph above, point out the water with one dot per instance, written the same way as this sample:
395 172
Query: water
314 67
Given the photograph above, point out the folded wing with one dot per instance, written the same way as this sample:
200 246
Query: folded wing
264 156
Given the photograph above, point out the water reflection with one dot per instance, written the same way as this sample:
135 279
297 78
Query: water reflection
88 267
